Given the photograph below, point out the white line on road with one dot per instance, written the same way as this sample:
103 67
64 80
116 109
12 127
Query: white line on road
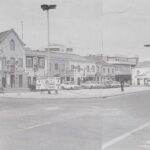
125 135
145 146
148 142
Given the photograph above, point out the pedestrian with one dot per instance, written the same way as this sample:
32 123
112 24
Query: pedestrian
122 86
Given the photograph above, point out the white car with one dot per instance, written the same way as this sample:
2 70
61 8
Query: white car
115 84
87 85
92 85
69 86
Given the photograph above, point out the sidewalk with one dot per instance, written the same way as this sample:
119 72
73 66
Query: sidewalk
84 93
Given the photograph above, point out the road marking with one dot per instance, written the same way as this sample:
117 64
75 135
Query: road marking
64 116
51 108
145 146
123 136
148 142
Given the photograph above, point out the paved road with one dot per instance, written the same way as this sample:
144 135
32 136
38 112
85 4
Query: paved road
117 123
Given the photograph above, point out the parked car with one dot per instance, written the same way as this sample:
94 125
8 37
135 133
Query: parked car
92 85
69 86
126 84
101 85
107 85
87 85
115 84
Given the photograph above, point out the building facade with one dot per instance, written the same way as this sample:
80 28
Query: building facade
141 74
36 65
104 71
20 67
12 60
123 67
71 67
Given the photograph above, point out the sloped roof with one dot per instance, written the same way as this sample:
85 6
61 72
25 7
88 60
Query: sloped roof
3 35
30 52
98 60
67 56
71 57
143 64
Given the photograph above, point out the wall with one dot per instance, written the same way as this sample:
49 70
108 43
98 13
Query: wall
17 53
140 73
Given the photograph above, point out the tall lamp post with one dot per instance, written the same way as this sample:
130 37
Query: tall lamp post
46 7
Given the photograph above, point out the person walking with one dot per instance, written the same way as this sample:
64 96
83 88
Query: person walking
122 86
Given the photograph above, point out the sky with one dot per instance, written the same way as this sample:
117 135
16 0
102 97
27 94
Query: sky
123 26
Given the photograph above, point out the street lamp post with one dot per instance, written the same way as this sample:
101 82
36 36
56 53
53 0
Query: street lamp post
46 7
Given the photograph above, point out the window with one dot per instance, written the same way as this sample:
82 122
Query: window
41 62
56 66
138 71
78 68
50 67
97 68
93 68
12 61
103 70
112 71
63 67
108 70
29 61
20 62
72 67
35 61
88 68
4 62
12 45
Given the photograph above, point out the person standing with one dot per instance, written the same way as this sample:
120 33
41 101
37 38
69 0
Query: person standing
122 86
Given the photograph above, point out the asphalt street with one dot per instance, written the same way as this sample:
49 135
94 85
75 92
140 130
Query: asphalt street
114 123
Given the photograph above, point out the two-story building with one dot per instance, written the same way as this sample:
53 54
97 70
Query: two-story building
141 74
71 67
12 60
36 65
104 71
123 66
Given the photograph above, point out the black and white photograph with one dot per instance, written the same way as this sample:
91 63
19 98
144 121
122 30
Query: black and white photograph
74 74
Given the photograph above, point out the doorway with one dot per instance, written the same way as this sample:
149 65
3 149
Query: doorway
12 81
20 81
4 82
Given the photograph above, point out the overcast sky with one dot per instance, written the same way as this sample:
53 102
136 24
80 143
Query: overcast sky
125 24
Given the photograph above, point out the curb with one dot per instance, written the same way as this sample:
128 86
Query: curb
102 97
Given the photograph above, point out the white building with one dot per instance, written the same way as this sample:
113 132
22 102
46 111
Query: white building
36 65
123 66
59 48
12 60
71 67
141 74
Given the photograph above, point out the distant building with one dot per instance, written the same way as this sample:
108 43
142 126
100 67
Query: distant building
123 66
36 65
141 74
105 71
12 60
59 48
71 67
